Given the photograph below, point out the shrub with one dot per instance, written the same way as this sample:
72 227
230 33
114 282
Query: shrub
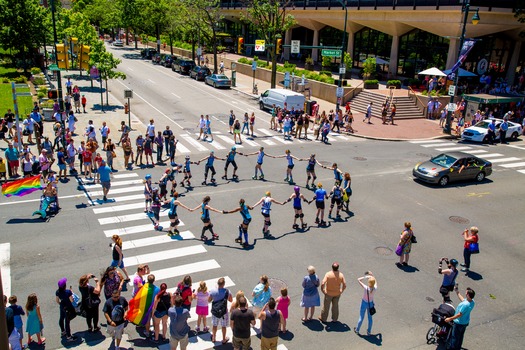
36 70
325 72
40 95
371 82
21 79
43 90
5 80
396 83
289 66
369 66
309 60
244 60
424 92
255 58
327 61
39 81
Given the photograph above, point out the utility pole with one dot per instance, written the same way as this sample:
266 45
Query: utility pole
55 40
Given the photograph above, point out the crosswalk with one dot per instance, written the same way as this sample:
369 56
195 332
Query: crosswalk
123 215
497 159
188 143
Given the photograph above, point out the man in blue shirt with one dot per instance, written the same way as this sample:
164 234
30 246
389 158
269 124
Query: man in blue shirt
491 131
105 179
461 319
503 130
179 327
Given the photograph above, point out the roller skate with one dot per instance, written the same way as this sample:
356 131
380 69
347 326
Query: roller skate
303 226
317 220
295 226
322 223
204 238
261 177
238 240
215 237
224 177
286 180
254 177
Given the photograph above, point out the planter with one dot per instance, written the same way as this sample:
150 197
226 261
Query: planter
371 86
397 86
309 66
344 83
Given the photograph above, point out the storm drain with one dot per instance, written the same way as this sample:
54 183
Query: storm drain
459 219
359 158
276 284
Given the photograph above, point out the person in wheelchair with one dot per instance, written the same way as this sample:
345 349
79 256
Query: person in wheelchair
48 201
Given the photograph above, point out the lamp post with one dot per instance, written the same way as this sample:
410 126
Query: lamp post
340 82
475 19
55 40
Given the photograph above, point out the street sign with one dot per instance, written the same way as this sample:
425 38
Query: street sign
452 90
128 93
259 45
339 92
483 65
342 70
199 51
331 53
451 107
234 66
295 46
254 66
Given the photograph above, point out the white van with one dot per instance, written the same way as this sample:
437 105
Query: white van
281 98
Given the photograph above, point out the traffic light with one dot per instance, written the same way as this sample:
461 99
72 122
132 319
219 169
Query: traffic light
279 46
240 45
62 56
83 57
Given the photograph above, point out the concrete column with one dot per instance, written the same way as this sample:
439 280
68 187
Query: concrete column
511 71
394 54
315 52
287 41
350 36
453 50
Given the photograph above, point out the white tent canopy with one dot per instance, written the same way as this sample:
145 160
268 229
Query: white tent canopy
433 71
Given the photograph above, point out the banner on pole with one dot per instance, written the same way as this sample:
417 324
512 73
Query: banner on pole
467 46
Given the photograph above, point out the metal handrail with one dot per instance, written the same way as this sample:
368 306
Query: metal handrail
352 90
417 97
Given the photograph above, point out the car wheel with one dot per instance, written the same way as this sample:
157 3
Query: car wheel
261 106
514 136
443 181
214 85
480 177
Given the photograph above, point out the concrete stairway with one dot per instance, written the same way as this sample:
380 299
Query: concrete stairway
406 107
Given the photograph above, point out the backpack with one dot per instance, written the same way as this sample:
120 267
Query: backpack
117 314
220 307
184 292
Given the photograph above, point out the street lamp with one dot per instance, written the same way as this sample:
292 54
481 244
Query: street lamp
340 82
475 20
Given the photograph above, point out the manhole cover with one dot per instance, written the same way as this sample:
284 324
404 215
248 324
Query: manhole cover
430 299
459 219
276 285
424 155
383 251
359 158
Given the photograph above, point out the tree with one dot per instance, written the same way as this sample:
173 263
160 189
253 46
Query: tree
21 29
270 19
154 15
106 64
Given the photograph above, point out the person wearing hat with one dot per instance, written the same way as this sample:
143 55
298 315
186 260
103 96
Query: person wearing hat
104 172
187 171
319 196
503 127
156 203
45 164
64 298
266 202
209 166
148 191
449 277
230 159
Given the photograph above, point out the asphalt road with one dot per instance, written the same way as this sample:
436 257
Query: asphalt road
385 195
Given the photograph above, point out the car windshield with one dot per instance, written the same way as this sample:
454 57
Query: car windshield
444 160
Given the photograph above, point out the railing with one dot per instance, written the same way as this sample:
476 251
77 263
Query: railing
352 91
367 4
423 104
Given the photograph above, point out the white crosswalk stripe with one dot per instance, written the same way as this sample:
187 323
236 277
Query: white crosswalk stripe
116 208
504 160
92 185
491 155
186 269
453 149
229 140
128 217
149 241
114 191
478 151
164 255
425 141
125 175
194 143
134 229
513 165
216 145
180 148
439 144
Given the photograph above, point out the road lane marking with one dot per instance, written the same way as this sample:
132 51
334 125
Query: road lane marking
440 144
125 175
92 185
502 160
154 240
513 165
450 149
229 141
174 94
116 208
164 255
5 266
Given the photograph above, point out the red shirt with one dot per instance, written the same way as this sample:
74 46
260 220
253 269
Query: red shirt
474 240
86 155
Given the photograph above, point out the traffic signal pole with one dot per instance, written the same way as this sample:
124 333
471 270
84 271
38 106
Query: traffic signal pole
55 40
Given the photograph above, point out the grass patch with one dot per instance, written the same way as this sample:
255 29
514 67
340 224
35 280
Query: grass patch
25 103
10 73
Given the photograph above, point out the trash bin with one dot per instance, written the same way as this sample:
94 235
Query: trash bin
309 105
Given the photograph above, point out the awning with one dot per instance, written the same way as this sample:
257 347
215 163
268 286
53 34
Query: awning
492 99
433 71
462 73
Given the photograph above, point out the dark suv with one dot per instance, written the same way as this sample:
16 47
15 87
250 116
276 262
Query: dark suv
148 53
168 60
200 73
182 65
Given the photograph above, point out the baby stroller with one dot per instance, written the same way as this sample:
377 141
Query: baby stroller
441 329
47 205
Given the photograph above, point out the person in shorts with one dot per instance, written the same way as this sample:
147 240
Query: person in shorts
216 295
115 310
105 178
241 320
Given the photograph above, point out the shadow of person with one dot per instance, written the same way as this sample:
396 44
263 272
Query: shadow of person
288 336
376 339
474 276
314 325
408 268
337 327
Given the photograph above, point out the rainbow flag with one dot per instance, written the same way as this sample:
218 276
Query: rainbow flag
22 187
140 307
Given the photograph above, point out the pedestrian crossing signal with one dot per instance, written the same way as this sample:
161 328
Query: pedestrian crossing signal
62 56
240 45
52 94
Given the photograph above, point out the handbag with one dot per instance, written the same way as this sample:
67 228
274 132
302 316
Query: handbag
372 309
113 154
474 247
399 250
413 238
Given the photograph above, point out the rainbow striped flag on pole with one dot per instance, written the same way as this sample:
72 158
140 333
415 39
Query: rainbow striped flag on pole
22 187
140 307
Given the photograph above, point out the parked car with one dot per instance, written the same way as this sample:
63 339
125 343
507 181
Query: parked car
218 80
118 43
200 73
453 166
148 53
158 58
182 65
479 132
168 60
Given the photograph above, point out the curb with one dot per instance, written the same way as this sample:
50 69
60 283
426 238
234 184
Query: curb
400 140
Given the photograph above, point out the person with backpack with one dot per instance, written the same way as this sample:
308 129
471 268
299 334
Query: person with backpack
219 298
115 310
185 292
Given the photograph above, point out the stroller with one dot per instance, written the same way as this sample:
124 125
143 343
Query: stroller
441 329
